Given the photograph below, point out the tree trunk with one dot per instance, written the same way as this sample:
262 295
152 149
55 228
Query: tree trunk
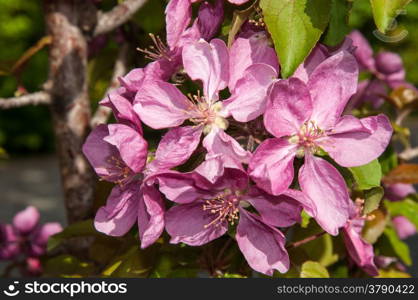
67 22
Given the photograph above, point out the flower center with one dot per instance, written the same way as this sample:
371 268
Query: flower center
224 207
119 172
206 113
306 138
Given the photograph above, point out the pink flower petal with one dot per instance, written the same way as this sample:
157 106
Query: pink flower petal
180 187
363 51
404 228
178 16
176 147
344 148
10 247
132 146
280 211
212 168
123 111
331 85
263 246
249 98
150 216
288 107
218 142
321 182
40 238
161 105
271 166
207 62
358 249
120 212
305 69
210 18
398 191
186 224
245 52
26 220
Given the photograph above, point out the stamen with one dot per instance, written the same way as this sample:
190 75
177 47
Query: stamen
157 51
119 172
225 208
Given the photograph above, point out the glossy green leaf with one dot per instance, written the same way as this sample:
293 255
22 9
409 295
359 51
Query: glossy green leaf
385 12
398 247
338 24
313 269
407 208
295 27
372 199
367 176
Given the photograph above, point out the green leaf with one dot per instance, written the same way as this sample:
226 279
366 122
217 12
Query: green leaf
392 273
313 269
305 219
338 24
321 249
79 229
367 176
295 27
68 266
407 208
385 12
398 247
388 160
133 263
372 199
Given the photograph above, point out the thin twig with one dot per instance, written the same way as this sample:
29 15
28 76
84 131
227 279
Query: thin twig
306 240
36 98
121 13
103 113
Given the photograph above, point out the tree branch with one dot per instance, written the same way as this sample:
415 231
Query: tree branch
121 13
28 99
103 113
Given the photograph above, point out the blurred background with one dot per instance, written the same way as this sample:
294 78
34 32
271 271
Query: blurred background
28 167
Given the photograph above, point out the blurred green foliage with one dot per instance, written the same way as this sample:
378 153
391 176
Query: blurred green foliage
28 129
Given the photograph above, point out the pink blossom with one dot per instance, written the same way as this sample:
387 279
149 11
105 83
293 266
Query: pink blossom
399 191
118 154
360 251
211 197
167 59
162 105
404 228
304 117
386 67
25 235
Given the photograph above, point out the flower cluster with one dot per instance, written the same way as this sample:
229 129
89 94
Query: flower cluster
271 146
26 238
